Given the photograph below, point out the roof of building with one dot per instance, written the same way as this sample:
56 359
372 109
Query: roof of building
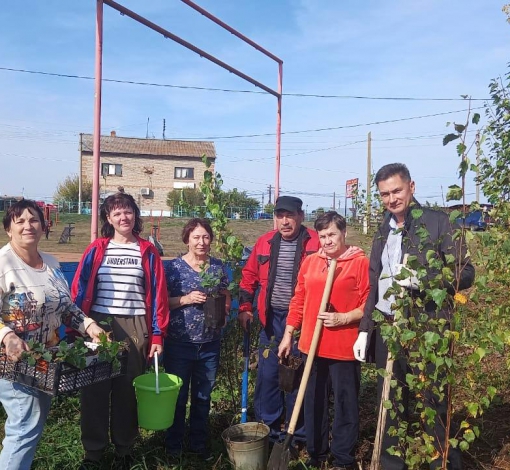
134 146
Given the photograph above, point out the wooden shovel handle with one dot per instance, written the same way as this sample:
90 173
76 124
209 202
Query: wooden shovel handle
313 349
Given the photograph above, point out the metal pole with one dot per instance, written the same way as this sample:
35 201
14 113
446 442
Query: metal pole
477 167
278 133
188 45
369 180
230 29
79 174
97 121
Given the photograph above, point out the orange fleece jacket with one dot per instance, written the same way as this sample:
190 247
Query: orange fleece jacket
350 290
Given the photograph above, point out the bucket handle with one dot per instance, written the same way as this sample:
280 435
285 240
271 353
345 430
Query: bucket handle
156 366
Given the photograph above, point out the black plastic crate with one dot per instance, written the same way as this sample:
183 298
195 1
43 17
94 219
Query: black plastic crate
56 378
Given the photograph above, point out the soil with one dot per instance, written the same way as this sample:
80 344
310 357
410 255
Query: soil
292 362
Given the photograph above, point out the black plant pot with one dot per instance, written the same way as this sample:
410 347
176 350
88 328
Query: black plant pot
214 311
290 371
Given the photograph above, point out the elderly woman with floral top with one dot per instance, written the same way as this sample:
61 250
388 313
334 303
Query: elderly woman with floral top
192 348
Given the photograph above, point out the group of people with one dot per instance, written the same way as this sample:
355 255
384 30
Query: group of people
288 268
122 287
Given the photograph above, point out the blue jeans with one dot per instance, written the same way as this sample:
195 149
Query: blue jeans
196 365
27 410
269 400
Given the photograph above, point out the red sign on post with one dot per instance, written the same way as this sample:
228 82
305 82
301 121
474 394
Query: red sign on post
350 187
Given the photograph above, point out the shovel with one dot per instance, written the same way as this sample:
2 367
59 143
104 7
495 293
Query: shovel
280 455
244 389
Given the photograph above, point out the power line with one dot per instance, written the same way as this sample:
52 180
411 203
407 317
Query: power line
227 90
350 126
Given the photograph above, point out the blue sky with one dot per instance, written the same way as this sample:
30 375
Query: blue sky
376 48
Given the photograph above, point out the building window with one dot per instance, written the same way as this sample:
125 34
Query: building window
109 169
184 173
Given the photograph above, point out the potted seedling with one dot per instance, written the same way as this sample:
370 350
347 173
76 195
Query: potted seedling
290 368
215 303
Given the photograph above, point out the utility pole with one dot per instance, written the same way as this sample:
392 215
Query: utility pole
369 184
79 174
334 201
164 129
270 189
477 142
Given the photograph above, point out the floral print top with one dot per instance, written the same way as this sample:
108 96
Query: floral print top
187 322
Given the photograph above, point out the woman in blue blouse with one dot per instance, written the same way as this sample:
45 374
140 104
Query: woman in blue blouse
192 350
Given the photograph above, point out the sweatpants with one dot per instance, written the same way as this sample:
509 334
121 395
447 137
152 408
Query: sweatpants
108 409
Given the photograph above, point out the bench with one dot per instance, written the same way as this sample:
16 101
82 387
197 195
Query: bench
66 235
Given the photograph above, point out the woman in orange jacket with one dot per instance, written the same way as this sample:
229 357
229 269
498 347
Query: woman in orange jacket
334 365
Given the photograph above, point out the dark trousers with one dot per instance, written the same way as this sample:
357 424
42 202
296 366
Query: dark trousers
400 369
343 377
196 364
269 400
108 409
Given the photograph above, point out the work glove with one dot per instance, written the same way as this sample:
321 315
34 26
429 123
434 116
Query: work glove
410 281
360 346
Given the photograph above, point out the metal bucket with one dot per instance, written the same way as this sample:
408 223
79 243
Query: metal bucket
247 445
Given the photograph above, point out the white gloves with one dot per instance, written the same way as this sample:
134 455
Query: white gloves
360 346
410 281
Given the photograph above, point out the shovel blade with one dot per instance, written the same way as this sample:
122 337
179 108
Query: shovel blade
279 458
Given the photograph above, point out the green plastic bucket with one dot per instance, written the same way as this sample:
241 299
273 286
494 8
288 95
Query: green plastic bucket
156 410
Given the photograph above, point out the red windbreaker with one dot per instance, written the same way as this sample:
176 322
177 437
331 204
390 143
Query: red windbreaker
260 269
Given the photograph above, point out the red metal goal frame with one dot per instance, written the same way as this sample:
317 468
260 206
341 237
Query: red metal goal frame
167 34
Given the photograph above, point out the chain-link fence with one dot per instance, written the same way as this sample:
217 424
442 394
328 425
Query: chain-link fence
245 213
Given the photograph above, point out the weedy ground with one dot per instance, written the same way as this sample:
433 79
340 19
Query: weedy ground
60 446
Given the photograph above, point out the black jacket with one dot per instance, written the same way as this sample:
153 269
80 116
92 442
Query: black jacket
417 242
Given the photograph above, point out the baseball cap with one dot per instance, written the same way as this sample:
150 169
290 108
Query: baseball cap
288 203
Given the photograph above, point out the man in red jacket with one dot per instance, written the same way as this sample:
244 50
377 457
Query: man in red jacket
272 269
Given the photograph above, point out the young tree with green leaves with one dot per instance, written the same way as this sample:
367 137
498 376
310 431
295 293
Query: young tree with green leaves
68 190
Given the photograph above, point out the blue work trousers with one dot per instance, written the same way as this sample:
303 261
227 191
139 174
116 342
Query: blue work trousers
270 402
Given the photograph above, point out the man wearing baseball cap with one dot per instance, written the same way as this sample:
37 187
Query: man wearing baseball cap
272 269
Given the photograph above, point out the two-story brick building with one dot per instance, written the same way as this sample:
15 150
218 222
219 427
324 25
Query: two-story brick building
146 168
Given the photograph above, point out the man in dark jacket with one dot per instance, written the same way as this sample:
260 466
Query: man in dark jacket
272 269
402 234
